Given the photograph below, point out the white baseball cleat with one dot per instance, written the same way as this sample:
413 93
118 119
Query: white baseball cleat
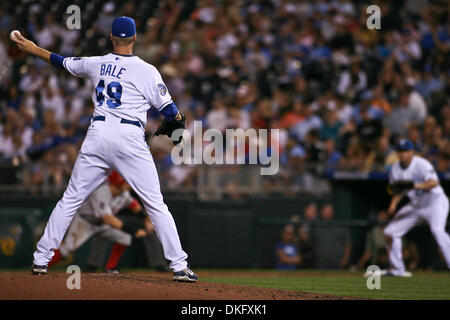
186 275
387 273
382 272
405 274
36 269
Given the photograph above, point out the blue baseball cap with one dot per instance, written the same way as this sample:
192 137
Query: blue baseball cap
123 27
404 145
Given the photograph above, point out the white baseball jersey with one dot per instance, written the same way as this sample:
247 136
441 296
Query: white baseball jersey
125 86
419 170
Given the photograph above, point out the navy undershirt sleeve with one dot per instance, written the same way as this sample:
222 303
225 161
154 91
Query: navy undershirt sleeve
170 111
57 60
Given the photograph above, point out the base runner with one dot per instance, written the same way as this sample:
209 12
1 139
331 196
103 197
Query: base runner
97 217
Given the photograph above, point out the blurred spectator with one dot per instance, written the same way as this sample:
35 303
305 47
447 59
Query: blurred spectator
311 121
313 146
354 158
305 235
369 130
333 156
417 103
286 251
331 243
353 81
401 117
331 126
293 116
428 84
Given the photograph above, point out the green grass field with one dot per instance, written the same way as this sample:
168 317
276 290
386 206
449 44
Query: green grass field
422 286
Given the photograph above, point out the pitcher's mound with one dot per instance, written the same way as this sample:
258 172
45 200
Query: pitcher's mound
136 286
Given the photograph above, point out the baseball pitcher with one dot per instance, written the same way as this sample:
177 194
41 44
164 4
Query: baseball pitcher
415 178
125 88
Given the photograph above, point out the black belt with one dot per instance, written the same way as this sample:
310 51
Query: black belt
102 118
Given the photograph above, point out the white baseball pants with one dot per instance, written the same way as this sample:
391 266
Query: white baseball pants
435 214
111 145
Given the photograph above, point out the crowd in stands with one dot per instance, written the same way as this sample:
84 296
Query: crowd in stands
340 93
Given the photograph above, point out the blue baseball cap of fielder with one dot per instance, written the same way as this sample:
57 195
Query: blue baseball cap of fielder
123 27
404 145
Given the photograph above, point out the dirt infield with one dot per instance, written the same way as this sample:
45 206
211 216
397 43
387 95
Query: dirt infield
137 286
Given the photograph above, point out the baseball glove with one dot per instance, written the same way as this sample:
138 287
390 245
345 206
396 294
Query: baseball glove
168 127
400 186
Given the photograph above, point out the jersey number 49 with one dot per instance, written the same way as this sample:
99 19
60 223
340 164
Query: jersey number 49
114 92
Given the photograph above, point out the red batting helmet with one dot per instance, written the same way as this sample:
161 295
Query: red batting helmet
116 179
